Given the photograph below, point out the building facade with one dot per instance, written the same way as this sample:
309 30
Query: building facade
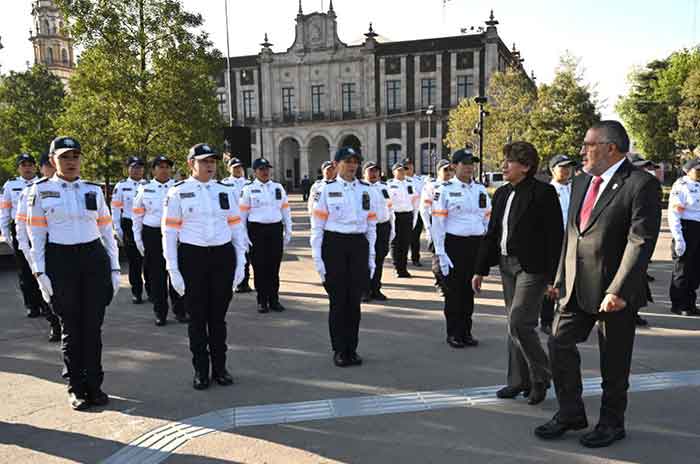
53 46
321 94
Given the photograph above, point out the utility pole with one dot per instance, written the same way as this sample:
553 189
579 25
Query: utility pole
228 70
481 101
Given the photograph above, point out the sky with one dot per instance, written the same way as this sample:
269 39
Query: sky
610 38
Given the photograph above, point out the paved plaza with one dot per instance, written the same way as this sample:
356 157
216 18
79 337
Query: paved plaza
415 400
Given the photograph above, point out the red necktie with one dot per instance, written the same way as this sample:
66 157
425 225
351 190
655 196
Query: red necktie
589 202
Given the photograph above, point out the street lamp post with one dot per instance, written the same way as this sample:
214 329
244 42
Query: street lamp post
481 101
228 70
429 112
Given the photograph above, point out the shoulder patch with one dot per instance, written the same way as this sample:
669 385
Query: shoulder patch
363 182
179 183
436 196
224 184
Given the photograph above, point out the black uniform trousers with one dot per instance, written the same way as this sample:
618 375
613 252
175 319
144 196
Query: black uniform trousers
27 283
82 289
615 342
403 225
134 257
346 258
547 312
158 275
208 275
459 295
415 240
266 257
686 269
246 271
381 249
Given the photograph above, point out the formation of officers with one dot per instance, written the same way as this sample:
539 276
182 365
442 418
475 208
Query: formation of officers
189 245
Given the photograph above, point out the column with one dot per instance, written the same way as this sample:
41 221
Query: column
303 162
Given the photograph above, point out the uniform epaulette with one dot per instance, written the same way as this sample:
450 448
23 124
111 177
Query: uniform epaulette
382 182
93 183
41 181
224 183
250 182
329 181
363 182
682 181
13 178
179 183
445 184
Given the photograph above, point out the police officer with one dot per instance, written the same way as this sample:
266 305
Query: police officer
328 172
561 167
76 263
204 243
26 168
418 184
122 207
343 234
684 222
404 198
237 178
24 245
444 174
461 211
385 228
147 217
265 212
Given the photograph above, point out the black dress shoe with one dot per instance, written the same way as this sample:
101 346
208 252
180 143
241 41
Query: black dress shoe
97 398
182 318
602 436
509 392
639 321
223 378
263 308
555 428
546 329
403 274
78 402
243 288
680 312
33 312
355 359
200 382
650 278
468 340
136 299
366 298
55 334
341 359
379 296
417 264
455 342
537 393
277 307
161 321
440 291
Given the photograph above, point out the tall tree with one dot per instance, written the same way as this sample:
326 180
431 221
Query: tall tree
144 84
565 109
688 133
30 101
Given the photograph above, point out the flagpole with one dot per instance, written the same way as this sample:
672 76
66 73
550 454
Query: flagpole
228 70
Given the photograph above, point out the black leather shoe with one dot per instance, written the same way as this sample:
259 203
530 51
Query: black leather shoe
538 393
33 313
78 402
223 378
263 308
680 312
55 334
366 298
440 291
546 329
136 299
602 436
355 359
468 340
44 309
455 342
555 428
417 264
509 392
243 288
341 359
98 398
182 318
161 321
639 321
379 296
403 274
200 382
277 307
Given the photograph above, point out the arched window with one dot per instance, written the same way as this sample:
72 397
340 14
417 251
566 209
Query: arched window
49 58
393 154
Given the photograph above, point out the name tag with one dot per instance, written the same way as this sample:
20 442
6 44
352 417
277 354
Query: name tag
394 186
126 189
255 191
17 189
187 195
455 194
50 194
149 191
335 194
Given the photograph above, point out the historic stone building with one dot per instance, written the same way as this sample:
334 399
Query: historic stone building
53 47
319 94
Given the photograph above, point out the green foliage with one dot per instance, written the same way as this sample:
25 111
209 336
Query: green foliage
30 101
688 133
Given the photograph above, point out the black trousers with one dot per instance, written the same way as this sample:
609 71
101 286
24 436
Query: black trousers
402 241
381 249
266 257
415 240
208 274
158 276
615 341
27 283
686 269
459 296
346 258
246 270
82 286
547 312
134 257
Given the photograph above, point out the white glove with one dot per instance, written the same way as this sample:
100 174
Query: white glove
679 247
177 281
321 269
140 247
45 287
120 235
372 267
287 237
239 274
116 282
248 243
445 264
430 235
392 235
8 240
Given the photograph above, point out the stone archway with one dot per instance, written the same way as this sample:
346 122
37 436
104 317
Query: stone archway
319 151
289 171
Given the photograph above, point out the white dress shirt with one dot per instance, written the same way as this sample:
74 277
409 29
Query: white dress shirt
148 206
123 199
385 212
683 204
8 202
606 176
504 224
564 193
404 195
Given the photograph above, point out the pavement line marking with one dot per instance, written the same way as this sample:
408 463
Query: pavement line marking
158 444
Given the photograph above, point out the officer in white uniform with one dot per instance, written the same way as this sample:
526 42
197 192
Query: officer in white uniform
237 178
418 225
444 174
265 212
404 198
26 168
684 222
385 228
147 216
76 263
343 234
122 208
204 243
461 212
328 170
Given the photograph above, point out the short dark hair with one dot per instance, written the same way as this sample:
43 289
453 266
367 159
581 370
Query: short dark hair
524 153
615 133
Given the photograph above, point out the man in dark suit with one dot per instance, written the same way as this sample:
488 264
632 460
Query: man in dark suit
524 237
613 224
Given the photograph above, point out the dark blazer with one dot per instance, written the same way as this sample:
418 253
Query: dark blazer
612 253
535 229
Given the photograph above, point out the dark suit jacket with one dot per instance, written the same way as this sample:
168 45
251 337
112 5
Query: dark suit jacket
612 253
535 229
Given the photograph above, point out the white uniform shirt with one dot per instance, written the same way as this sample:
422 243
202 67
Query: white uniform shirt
384 207
265 203
203 214
68 213
21 227
404 195
123 199
418 183
564 193
683 203
315 187
425 207
461 209
148 206
237 182
8 202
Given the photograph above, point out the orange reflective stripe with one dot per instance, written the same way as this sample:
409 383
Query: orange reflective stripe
104 220
389 204
372 216
21 218
174 223
319 213
118 204
679 208
427 201
5 204
38 221
244 208
440 212
285 205
233 220
139 211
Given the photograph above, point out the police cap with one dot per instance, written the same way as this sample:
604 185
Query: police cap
465 156
25 158
233 162
560 160
691 164
202 151
61 145
162 159
344 153
261 163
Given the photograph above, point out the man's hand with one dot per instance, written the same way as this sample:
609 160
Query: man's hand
612 303
476 283
552 292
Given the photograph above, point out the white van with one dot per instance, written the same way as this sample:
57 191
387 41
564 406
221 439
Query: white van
493 179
